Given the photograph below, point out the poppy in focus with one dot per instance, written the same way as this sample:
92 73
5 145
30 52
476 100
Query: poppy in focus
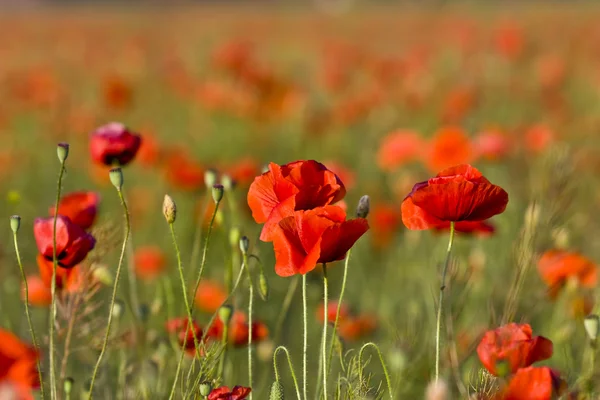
223 393
113 144
80 207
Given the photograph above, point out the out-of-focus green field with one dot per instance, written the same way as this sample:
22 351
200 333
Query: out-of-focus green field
233 88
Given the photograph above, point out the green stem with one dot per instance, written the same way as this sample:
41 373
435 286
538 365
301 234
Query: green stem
250 300
305 337
53 392
114 293
224 353
385 371
325 323
198 233
291 366
31 330
441 303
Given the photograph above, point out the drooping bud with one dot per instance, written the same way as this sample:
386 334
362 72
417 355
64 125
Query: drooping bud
169 209
205 388
116 177
210 177
276 391
15 223
263 286
591 324
244 244
228 182
68 385
62 150
364 206
217 192
225 313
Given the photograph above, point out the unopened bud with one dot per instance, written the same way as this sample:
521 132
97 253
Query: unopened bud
276 391
225 313
228 182
15 223
364 206
263 286
205 388
62 150
169 209
210 177
591 324
244 244
217 193
116 177
68 385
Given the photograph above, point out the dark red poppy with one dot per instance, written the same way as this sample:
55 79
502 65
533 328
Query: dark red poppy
149 262
18 369
185 333
80 207
534 383
114 144
239 329
504 350
456 194
307 238
558 266
223 393
72 242
301 185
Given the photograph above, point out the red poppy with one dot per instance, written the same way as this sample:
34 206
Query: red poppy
243 171
355 328
114 144
456 194
150 150
534 383
482 228
149 262
39 294
80 207
183 172
210 296
185 334
66 278
450 146
492 144
18 369
399 148
557 266
301 185
239 330
223 393
332 312
384 223
510 347
72 242
307 238
344 173
538 138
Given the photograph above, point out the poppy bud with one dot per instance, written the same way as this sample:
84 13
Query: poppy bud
217 193
15 223
364 206
276 391
68 385
210 177
228 182
244 244
118 309
205 388
169 209
103 275
225 313
62 150
591 324
263 286
116 177
234 236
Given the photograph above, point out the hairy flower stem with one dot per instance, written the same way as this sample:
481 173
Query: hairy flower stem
291 366
198 234
53 392
325 323
385 371
224 352
114 293
250 300
438 327
305 341
31 330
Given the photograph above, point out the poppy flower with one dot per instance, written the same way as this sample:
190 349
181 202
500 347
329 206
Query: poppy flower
355 328
557 266
399 148
39 294
66 278
344 173
183 172
538 138
149 262
210 296
450 146
534 383
239 330
492 145
243 171
301 185
223 393
185 333
150 150
114 144
332 312
18 369
385 219
482 228
456 194
510 347
80 207
307 238
72 242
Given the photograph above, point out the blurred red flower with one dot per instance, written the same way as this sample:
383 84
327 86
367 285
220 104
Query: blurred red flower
332 311
534 383
149 153
117 93
384 220
149 262
538 138
68 279
243 171
355 328
492 145
223 393
114 144
557 266
80 207
301 185
506 349
72 242
18 367
210 296
239 330
459 193
183 172
399 148
307 238
39 294
450 146
185 333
